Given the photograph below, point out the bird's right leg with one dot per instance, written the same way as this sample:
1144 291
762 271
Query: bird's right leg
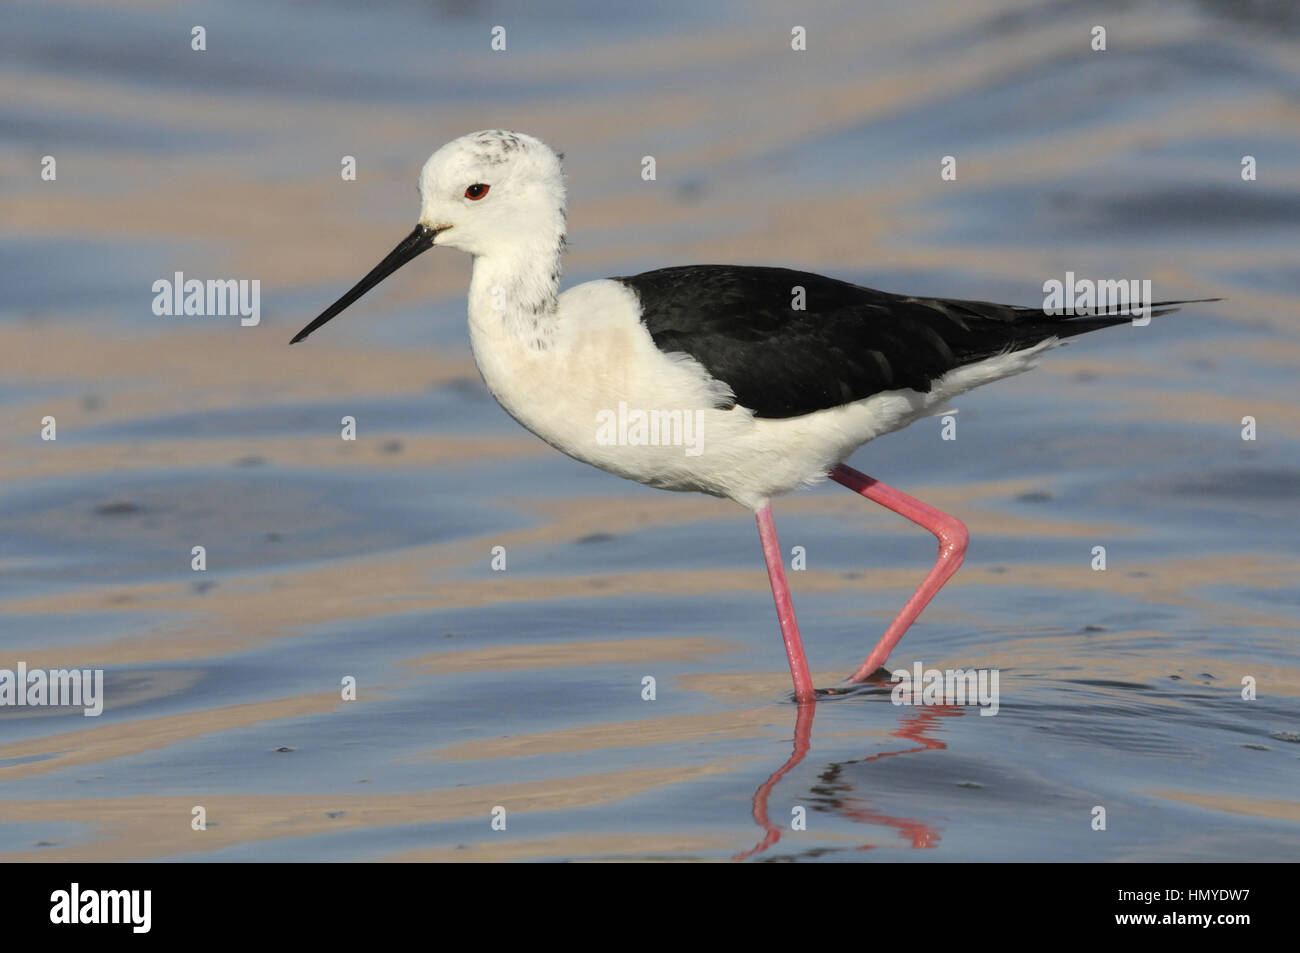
803 686
950 532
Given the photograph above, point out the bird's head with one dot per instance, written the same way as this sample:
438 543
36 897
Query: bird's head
492 190
488 193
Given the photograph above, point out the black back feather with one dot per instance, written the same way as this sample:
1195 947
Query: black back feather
848 343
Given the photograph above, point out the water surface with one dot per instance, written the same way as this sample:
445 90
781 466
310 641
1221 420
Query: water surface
523 689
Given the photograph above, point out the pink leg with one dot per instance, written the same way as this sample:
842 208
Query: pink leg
803 687
952 537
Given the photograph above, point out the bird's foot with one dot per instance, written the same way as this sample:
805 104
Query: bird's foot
847 688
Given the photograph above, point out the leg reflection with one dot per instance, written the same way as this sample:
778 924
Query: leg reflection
912 728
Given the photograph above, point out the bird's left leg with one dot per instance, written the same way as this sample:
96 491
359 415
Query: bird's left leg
803 686
952 536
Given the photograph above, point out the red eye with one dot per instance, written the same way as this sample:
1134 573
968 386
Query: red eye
476 191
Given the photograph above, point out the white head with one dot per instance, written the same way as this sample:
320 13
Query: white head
492 193
493 190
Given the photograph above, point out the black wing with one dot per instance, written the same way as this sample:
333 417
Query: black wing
848 343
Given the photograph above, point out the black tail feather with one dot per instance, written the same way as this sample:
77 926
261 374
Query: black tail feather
1169 307
1065 326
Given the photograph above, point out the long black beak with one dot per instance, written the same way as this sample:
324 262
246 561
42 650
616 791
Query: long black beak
416 243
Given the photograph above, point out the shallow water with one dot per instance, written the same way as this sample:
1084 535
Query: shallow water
523 688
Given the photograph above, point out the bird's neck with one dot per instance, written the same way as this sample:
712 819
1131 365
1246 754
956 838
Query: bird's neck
513 290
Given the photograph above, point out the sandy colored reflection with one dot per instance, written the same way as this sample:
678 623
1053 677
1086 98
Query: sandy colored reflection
633 847
131 828
119 740
542 656
721 726
1236 804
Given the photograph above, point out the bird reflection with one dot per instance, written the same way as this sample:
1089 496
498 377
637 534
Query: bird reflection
836 793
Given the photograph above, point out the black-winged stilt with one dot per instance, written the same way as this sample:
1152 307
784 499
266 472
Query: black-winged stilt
777 376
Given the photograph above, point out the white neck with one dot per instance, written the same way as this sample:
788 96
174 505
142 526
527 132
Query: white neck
513 290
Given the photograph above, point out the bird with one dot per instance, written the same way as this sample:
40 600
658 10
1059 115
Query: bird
741 382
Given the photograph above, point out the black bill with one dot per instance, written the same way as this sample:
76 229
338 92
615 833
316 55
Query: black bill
419 241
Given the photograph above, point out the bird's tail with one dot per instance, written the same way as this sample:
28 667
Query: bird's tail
1064 326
